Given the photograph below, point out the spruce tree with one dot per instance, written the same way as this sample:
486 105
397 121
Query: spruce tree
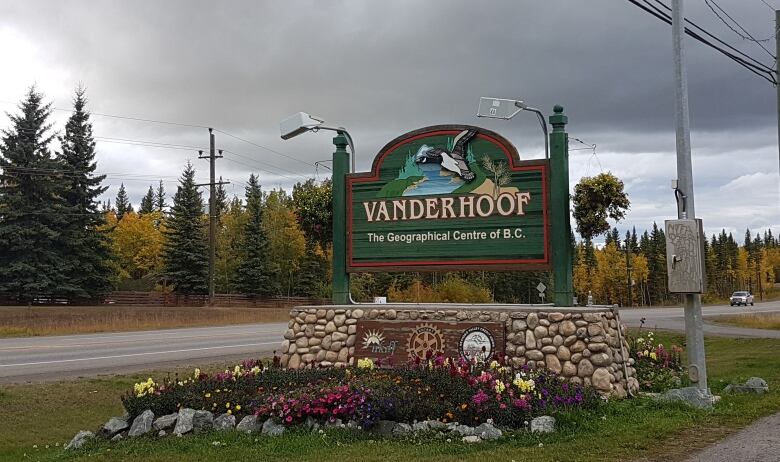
123 204
221 200
185 252
32 208
159 198
147 203
254 271
87 249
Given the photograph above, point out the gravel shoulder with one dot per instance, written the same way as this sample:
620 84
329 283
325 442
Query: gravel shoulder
758 442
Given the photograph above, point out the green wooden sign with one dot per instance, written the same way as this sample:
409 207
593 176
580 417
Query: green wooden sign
449 197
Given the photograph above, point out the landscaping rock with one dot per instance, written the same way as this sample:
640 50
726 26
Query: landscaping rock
184 421
165 422
384 427
311 424
202 421
753 385
463 430
113 426
402 429
472 439
334 423
271 428
117 437
225 422
691 396
142 424
487 431
78 441
543 424
248 425
162 433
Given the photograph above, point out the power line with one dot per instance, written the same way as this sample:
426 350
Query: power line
712 5
308 164
768 5
747 62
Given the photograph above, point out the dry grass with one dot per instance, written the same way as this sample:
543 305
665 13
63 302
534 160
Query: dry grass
16 321
752 320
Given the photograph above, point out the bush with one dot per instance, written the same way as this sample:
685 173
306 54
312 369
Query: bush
441 389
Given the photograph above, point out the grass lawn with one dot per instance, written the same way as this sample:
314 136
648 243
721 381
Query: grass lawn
47 414
751 320
23 321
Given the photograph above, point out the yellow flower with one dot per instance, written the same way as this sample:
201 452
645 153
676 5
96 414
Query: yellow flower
238 407
208 395
653 356
365 363
197 373
229 412
500 387
494 365
227 404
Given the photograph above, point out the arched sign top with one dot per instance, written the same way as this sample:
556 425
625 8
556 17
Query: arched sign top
448 197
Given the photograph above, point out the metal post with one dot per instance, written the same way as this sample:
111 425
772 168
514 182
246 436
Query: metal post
340 169
563 293
212 215
694 331
777 75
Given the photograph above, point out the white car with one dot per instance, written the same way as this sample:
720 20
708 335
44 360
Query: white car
741 298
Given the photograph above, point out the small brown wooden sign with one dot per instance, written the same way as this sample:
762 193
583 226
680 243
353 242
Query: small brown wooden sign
403 341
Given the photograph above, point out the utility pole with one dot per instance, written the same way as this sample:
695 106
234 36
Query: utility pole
212 184
777 85
694 329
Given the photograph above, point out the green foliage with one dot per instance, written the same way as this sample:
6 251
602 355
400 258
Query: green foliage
88 260
32 207
255 271
185 250
122 202
159 198
657 368
452 289
595 199
147 202
313 205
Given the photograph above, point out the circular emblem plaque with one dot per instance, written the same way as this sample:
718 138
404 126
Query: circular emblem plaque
476 343
425 338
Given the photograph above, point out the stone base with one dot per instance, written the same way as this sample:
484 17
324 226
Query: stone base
580 344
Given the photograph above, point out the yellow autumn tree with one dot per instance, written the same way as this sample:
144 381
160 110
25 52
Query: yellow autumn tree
137 241
610 277
287 243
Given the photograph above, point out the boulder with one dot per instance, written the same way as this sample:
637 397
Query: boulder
165 422
691 396
552 363
225 422
402 429
184 421
543 424
487 431
567 328
753 385
202 421
271 428
601 379
472 439
248 425
532 320
142 424
78 441
463 430
113 426
584 368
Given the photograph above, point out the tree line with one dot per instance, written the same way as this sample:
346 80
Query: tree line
58 240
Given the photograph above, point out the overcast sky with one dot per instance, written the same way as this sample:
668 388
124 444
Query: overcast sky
381 68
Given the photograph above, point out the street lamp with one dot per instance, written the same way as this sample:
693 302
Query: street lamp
302 122
499 108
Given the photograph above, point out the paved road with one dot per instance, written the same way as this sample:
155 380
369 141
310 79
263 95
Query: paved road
46 358
673 319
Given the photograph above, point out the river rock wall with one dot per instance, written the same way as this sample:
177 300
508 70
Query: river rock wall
581 344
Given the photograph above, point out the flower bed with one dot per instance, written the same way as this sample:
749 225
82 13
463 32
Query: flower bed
657 368
441 389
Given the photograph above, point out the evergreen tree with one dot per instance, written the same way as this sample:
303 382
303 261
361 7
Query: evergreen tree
254 271
123 204
88 255
147 203
185 252
222 200
32 208
159 198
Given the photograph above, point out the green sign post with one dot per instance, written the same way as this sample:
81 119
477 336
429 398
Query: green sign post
453 198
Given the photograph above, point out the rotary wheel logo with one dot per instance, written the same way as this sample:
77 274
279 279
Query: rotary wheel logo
425 339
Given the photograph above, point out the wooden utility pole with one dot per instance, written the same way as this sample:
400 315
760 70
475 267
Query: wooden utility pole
212 184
